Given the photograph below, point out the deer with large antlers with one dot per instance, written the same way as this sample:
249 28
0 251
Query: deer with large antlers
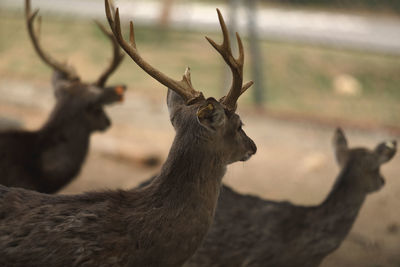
161 224
252 232
49 158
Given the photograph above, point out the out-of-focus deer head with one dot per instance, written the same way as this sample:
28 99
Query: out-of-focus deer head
72 94
364 163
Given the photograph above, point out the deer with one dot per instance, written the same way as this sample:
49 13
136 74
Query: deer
49 158
253 232
161 224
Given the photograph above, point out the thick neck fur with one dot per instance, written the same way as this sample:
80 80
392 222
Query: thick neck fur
193 171
63 142
184 195
340 209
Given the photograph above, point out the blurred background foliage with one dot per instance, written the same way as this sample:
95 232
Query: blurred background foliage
299 78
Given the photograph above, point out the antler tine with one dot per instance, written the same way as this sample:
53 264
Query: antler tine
118 56
183 87
30 18
236 65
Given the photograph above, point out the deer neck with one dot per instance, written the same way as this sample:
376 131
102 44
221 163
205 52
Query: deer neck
341 207
68 129
191 174
63 144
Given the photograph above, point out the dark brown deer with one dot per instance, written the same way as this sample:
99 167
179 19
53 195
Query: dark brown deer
49 158
253 232
161 224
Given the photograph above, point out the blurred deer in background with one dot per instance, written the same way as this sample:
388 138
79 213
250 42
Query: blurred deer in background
253 232
49 158
161 224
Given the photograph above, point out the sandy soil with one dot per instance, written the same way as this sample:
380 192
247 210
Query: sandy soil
294 162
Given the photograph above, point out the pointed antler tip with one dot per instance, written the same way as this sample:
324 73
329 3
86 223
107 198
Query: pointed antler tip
220 17
187 73
34 14
246 86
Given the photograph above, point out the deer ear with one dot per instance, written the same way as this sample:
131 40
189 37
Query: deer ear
386 151
174 101
211 115
340 146
60 84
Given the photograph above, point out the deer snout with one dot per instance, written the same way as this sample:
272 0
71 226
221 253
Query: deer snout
253 147
251 151
104 125
108 122
381 181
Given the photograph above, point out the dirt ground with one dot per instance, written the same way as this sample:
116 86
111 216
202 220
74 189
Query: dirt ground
294 162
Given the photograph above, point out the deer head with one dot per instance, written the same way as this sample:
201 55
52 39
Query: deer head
363 163
72 95
214 122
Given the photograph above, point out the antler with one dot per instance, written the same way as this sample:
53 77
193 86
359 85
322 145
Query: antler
236 66
30 18
118 56
183 87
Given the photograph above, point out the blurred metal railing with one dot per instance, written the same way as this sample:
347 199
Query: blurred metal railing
368 33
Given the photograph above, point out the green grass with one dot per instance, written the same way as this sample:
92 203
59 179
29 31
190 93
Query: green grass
298 78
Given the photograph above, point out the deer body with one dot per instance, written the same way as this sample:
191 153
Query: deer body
267 233
97 229
250 231
49 158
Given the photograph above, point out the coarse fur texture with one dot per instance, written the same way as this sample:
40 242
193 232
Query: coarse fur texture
252 232
161 224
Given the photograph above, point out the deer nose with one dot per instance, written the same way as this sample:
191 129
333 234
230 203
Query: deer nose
253 147
382 181
108 122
